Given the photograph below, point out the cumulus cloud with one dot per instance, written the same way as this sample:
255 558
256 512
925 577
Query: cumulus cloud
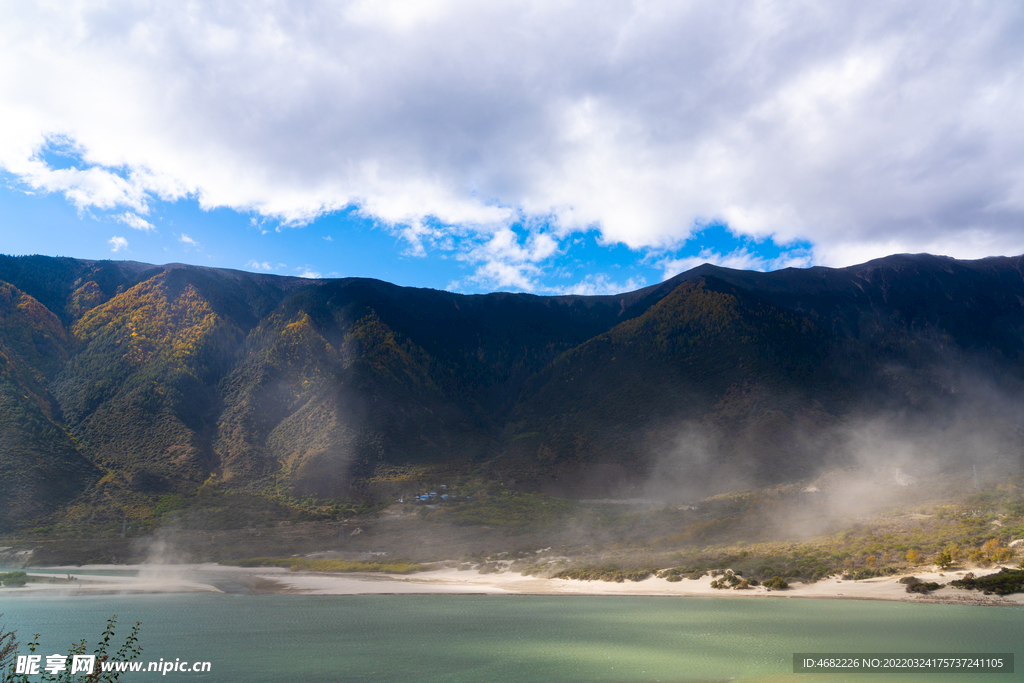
307 272
504 261
188 241
117 244
256 265
864 128
134 220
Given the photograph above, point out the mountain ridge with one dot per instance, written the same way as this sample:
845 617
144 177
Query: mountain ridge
142 381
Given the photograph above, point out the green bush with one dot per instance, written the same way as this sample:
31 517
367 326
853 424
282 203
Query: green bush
923 587
605 573
1004 582
916 585
14 579
821 572
862 573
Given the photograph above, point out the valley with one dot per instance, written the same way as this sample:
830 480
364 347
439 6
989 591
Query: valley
811 422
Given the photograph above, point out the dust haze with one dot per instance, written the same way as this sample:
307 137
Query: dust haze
831 473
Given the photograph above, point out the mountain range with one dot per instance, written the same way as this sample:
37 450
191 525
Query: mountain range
121 382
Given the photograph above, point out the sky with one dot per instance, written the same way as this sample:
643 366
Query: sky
549 147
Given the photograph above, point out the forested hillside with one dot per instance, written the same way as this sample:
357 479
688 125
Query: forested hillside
123 384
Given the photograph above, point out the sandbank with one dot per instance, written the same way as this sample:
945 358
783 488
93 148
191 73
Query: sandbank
214 578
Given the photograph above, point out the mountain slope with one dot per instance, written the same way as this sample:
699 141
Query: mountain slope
125 382
140 391
701 349
40 464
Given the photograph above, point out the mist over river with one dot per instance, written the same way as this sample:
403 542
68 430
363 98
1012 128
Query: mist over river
499 639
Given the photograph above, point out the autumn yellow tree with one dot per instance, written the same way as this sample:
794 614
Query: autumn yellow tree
993 550
944 560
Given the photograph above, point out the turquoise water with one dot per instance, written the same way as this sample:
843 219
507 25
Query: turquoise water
499 639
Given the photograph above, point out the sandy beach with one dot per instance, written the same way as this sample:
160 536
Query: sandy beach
214 578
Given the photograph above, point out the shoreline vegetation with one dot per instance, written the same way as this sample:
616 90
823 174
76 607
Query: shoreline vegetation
935 539
128 652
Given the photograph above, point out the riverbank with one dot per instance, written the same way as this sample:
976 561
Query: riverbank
214 578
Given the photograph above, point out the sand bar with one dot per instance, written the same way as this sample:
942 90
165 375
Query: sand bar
214 578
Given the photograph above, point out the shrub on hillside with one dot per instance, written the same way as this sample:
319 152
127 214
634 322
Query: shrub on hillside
1004 582
605 573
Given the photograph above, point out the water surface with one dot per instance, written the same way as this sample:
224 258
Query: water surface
505 639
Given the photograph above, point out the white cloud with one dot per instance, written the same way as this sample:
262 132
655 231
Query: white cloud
188 241
133 220
598 284
503 262
256 265
117 244
91 187
328 238
863 127
737 259
306 272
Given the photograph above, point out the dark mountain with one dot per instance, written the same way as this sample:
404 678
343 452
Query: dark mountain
124 382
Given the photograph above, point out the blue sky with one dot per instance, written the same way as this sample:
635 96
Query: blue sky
346 244
573 147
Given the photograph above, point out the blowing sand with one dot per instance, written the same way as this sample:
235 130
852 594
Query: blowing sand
213 578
